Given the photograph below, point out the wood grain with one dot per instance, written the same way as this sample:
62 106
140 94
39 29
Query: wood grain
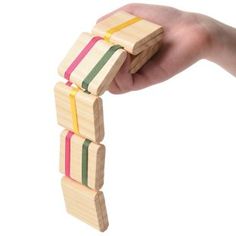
85 204
133 38
96 160
89 112
103 79
138 61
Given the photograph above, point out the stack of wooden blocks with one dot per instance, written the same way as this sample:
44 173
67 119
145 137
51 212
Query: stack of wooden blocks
89 67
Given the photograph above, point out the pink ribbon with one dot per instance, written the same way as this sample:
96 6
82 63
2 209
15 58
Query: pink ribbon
67 153
81 56
68 83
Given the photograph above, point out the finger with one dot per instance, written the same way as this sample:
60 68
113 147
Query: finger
113 88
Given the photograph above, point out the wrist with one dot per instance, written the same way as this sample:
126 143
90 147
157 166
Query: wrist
215 44
204 30
221 46
209 34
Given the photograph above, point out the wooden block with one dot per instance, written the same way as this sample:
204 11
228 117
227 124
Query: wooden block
78 70
134 38
88 112
139 60
72 150
85 204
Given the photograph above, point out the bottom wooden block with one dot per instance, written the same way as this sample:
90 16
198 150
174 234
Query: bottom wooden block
85 204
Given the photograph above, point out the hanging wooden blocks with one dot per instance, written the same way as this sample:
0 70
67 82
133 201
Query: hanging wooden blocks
136 35
79 112
92 63
86 204
82 160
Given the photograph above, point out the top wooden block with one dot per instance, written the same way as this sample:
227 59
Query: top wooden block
83 58
133 37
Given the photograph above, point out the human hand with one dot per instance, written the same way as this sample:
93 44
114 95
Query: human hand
188 37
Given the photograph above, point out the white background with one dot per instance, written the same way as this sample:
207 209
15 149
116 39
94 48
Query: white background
171 153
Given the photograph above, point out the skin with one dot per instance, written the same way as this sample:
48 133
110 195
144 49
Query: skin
188 37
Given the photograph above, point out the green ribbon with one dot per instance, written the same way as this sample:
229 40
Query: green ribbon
105 58
85 161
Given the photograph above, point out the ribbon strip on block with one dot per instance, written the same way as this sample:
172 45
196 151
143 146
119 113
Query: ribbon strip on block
72 95
119 27
85 162
68 152
81 56
84 165
95 70
105 58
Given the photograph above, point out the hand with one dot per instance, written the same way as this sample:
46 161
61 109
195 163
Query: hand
188 37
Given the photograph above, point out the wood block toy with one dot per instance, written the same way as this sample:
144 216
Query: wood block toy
86 204
92 63
135 34
82 160
89 67
79 112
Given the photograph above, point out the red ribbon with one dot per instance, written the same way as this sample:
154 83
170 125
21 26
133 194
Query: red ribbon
81 56
68 153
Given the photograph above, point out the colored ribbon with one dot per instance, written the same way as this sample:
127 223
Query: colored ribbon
119 27
84 166
105 58
68 83
72 95
81 56
85 161
68 152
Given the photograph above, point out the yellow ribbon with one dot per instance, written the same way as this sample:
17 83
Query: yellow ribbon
72 94
119 27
